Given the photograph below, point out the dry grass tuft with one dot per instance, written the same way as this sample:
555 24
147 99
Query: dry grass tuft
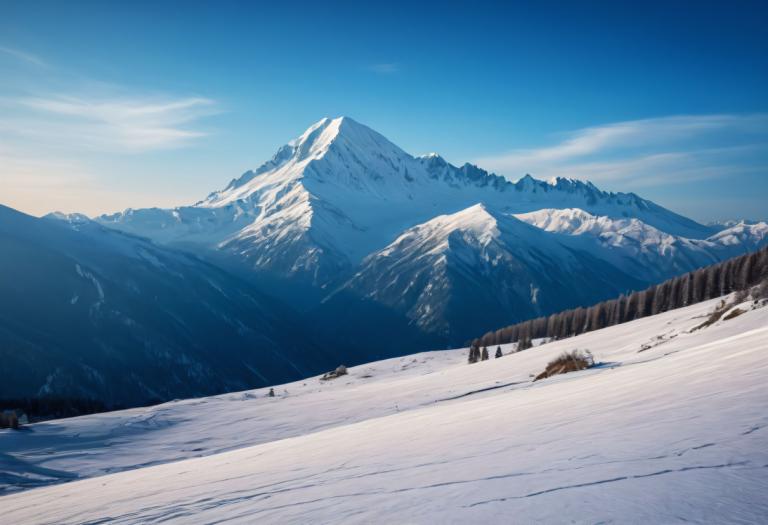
714 317
567 362
733 313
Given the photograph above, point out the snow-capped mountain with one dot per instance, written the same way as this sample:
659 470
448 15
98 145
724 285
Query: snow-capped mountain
92 313
742 236
342 191
455 273
337 206
724 224
643 250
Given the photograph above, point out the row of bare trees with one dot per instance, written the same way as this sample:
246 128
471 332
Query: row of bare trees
738 273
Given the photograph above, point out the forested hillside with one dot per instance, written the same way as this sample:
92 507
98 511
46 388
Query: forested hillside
706 283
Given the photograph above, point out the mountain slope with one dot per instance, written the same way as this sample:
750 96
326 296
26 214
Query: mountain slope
467 270
89 312
672 433
458 272
644 251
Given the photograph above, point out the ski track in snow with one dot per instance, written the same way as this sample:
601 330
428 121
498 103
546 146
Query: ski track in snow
670 434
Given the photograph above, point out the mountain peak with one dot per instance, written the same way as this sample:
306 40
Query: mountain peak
330 128
476 219
321 136
72 218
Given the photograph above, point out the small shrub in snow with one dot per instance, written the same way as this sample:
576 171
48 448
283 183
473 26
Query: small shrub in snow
733 313
341 370
714 317
9 419
567 362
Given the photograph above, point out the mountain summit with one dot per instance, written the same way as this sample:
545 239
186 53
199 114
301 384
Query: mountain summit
337 147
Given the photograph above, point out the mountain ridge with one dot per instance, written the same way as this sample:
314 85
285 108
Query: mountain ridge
341 192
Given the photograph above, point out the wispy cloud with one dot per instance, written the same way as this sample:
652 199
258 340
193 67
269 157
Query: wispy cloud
645 152
24 56
63 137
383 68
103 123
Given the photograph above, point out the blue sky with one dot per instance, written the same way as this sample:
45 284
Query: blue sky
108 105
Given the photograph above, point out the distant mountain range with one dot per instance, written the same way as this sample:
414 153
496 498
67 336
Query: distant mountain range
343 210
341 248
90 312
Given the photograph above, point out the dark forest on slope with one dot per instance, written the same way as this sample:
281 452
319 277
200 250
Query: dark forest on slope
738 273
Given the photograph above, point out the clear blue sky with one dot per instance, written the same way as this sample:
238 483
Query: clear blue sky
105 105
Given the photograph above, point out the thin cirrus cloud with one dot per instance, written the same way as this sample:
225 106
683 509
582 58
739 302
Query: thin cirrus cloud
51 146
107 124
64 136
383 68
648 151
23 56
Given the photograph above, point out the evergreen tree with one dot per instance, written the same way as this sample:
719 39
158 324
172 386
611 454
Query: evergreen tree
474 354
485 354
498 352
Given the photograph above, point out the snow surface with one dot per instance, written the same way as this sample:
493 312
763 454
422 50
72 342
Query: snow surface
673 433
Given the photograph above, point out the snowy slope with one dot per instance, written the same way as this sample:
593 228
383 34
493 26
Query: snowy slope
93 313
644 251
341 191
477 269
742 236
670 434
